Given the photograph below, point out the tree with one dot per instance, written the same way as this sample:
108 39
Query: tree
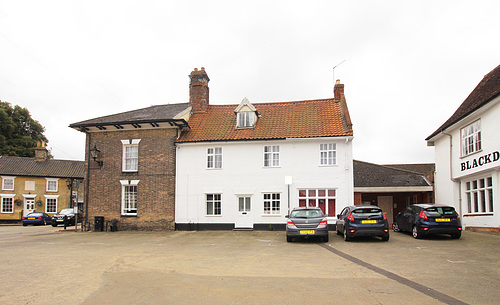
19 132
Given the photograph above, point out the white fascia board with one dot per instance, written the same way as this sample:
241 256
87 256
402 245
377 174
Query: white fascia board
393 189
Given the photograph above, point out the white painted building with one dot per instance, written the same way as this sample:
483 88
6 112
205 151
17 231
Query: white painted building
245 165
467 156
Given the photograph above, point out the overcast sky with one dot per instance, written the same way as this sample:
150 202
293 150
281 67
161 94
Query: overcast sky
408 64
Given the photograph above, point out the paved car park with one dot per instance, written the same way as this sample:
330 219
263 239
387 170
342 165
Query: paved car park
43 265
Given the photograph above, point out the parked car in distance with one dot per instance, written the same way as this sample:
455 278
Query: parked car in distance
427 219
306 222
36 218
58 218
361 220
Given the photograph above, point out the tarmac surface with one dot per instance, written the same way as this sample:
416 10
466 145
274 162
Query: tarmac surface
46 265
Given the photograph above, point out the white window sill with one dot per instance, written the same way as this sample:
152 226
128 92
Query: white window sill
477 214
271 215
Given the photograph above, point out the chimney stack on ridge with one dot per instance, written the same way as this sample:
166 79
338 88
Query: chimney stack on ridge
338 89
41 152
198 90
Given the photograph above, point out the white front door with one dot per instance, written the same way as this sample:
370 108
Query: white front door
244 217
385 203
29 206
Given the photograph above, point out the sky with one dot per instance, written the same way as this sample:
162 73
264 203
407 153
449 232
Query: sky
406 65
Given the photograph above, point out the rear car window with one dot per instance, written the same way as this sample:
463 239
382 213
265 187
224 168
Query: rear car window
367 212
440 211
306 214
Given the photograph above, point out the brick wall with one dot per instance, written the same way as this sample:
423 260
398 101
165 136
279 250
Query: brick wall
357 198
156 172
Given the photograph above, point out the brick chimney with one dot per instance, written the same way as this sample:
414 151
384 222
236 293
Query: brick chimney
40 152
338 89
198 90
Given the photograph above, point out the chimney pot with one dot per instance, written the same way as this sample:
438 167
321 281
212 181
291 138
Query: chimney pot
195 69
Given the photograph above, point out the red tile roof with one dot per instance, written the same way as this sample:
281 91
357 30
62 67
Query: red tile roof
300 119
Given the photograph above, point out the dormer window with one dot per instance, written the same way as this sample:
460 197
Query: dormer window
246 119
246 115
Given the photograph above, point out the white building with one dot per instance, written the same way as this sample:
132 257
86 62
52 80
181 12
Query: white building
245 165
467 156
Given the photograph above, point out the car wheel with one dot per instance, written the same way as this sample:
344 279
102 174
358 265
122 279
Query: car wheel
54 224
25 224
415 233
395 227
288 238
385 237
346 237
456 235
325 239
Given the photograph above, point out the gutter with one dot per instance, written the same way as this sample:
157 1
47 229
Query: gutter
451 172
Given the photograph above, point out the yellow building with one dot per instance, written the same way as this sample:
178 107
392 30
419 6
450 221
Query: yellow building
39 185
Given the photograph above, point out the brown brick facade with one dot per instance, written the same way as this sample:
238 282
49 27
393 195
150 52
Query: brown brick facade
156 172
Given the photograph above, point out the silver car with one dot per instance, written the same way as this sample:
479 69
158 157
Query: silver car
306 222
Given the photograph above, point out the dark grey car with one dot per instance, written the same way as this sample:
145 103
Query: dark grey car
306 222
358 220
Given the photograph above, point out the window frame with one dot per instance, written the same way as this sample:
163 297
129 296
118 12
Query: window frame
216 199
470 139
8 178
48 185
317 197
125 206
331 154
269 156
479 197
272 209
51 201
131 143
214 158
3 203
245 119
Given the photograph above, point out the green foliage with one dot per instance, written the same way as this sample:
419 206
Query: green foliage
19 132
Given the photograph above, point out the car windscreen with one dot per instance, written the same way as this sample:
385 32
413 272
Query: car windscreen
66 211
306 214
367 212
35 214
440 211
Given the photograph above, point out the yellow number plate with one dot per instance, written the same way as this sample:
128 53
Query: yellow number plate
31 217
368 221
306 231
443 220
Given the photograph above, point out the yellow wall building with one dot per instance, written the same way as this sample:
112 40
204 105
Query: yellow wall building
39 185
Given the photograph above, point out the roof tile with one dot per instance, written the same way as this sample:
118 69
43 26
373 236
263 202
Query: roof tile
279 120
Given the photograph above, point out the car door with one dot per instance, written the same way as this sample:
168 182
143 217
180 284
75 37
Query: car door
341 219
404 219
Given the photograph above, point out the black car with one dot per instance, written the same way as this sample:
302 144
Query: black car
360 220
58 218
427 219
306 222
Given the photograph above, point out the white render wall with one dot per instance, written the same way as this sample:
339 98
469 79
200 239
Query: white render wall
450 186
243 173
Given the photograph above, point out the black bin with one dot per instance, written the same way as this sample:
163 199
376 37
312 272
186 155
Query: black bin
98 223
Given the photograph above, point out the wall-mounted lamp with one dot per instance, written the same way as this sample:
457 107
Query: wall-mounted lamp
94 153
69 183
